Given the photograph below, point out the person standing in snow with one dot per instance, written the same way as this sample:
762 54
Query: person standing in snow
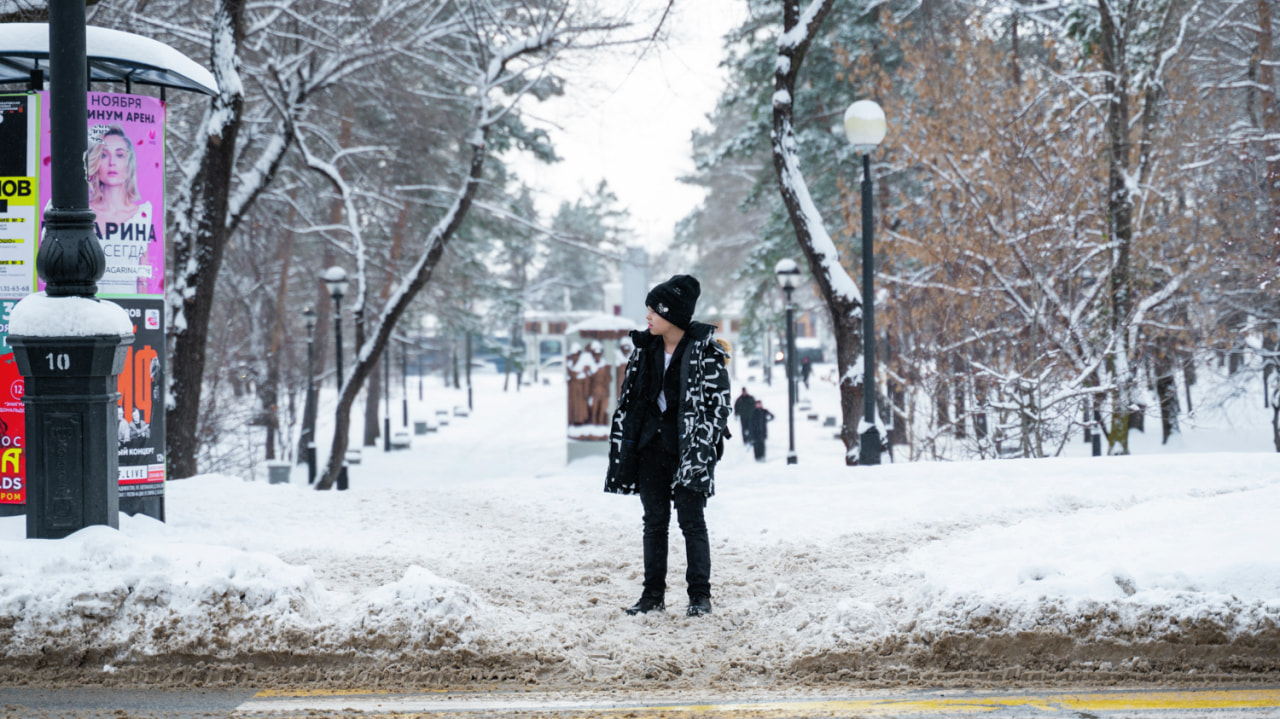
667 435
743 406
760 429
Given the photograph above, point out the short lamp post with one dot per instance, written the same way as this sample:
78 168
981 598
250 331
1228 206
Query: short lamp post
864 126
309 404
788 275
335 278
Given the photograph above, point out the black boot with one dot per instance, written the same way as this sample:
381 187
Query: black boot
645 605
699 606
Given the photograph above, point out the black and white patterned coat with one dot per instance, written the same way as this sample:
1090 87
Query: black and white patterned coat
704 411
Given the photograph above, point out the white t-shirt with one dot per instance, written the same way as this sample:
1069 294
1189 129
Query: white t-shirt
662 396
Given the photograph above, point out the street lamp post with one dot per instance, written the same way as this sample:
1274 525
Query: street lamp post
788 275
69 368
386 400
864 126
335 278
309 405
404 381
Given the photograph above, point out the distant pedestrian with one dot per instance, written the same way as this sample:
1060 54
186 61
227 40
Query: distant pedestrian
667 435
743 407
760 418
806 369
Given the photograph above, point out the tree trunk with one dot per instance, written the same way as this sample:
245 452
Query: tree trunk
198 253
837 288
1270 128
1167 391
270 391
1119 220
372 398
942 400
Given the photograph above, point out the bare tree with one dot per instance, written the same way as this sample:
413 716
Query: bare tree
291 52
502 55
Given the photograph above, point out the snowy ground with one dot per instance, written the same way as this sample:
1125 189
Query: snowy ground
479 556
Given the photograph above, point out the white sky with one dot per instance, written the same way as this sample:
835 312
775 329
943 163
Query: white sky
630 123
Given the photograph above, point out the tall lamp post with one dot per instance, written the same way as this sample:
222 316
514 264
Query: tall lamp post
69 348
309 405
386 398
864 126
404 380
335 278
788 275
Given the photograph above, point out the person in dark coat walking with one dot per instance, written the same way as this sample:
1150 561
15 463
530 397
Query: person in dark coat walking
806 370
667 435
743 407
760 419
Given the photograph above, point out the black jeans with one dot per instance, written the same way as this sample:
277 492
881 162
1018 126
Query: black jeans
656 470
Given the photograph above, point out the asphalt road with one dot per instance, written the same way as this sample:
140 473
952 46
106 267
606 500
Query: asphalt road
18 703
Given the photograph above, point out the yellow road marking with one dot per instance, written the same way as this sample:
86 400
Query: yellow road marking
1199 699
405 706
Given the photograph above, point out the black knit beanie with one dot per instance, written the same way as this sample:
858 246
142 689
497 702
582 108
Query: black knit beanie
675 299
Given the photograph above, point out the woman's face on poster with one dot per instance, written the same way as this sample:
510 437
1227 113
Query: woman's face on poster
113 165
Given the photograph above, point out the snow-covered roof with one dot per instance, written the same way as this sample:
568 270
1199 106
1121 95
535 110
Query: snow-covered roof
114 56
604 323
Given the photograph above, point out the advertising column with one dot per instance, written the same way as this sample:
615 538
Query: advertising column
124 167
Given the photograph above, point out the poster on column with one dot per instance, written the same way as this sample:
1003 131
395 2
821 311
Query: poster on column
141 404
13 466
125 172
19 221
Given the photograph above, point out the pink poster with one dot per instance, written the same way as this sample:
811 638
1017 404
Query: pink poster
125 172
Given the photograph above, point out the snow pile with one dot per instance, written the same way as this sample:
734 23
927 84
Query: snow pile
125 594
143 592
420 612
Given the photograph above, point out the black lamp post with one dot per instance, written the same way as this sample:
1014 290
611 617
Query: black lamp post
386 400
309 405
336 279
69 375
864 126
788 275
